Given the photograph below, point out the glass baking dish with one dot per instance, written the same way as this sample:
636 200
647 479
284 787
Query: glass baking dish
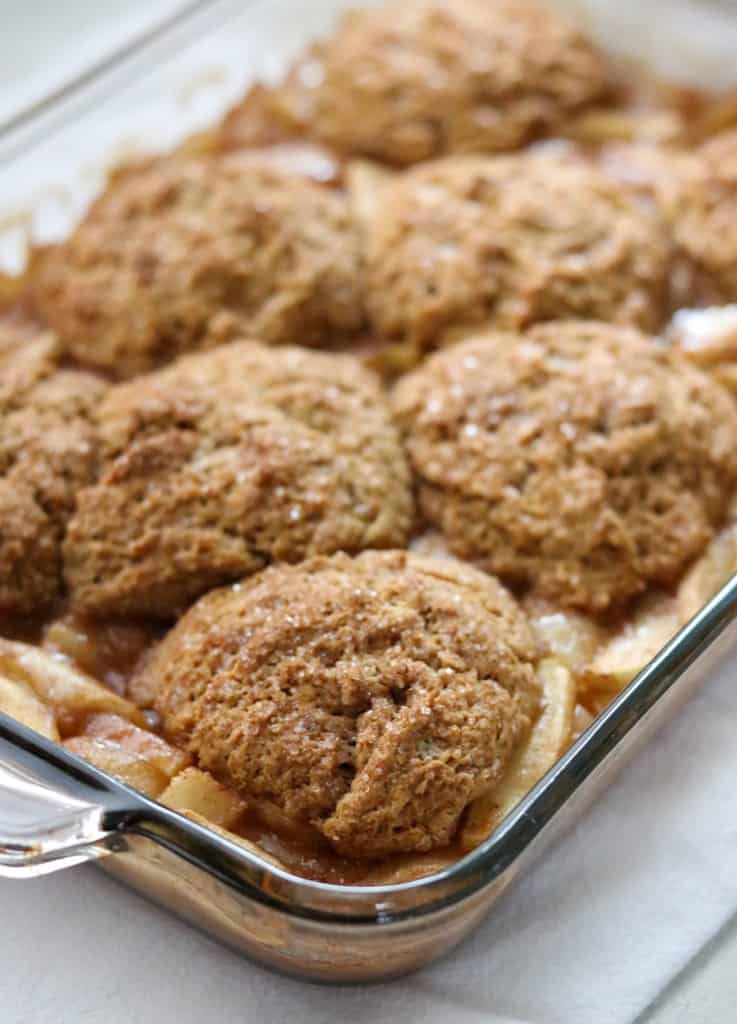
55 809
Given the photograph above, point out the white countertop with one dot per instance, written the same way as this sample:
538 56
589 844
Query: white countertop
77 947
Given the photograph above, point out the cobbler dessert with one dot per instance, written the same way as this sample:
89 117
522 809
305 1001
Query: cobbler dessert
370 698
48 451
578 460
412 81
184 253
511 241
338 495
226 461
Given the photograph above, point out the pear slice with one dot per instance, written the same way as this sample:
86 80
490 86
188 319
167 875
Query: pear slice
548 738
141 742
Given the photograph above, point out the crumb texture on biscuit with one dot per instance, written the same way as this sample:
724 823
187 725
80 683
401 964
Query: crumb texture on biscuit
369 698
183 253
510 241
701 206
226 461
48 452
580 459
411 81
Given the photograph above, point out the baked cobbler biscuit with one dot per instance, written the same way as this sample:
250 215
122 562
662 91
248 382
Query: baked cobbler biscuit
369 698
510 241
414 80
184 253
579 460
47 452
702 208
226 461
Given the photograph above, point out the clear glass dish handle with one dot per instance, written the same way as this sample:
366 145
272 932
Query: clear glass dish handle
57 810
48 819
42 830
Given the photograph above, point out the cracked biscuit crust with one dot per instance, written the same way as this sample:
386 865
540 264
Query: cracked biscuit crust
507 242
180 254
578 460
412 81
47 453
370 698
229 460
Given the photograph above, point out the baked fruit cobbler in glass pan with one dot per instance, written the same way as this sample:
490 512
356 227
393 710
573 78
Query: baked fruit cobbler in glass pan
356 454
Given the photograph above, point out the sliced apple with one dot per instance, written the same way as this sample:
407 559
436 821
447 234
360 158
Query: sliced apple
129 767
197 792
407 867
658 617
431 544
366 181
707 337
152 748
654 622
548 738
19 701
569 636
67 691
201 819
582 719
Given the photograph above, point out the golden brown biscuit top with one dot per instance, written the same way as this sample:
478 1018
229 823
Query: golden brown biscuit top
368 698
48 451
702 209
226 461
578 459
510 241
183 253
27 357
408 82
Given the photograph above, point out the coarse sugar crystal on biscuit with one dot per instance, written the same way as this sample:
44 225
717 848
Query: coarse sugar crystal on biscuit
580 460
226 461
510 241
183 253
